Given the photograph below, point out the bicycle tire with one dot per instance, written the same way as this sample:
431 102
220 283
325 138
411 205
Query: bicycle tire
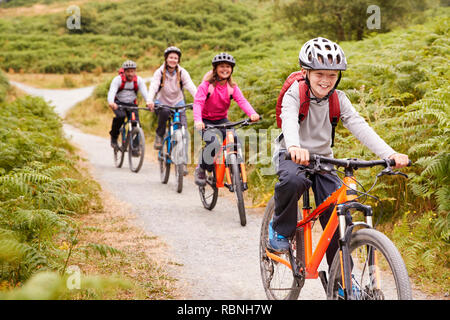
374 242
164 165
136 161
268 266
119 152
238 189
209 193
178 159
179 173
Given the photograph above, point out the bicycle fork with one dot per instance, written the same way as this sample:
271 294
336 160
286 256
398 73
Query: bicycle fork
345 232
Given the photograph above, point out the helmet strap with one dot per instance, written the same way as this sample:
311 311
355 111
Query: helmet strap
319 100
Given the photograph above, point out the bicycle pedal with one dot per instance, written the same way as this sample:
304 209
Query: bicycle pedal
244 186
229 186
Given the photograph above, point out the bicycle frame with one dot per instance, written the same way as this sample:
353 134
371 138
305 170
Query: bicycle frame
313 258
126 129
174 124
222 170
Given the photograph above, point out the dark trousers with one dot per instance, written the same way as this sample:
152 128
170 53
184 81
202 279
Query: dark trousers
214 139
288 191
163 117
119 119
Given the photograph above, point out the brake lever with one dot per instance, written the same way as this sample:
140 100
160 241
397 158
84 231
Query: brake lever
389 172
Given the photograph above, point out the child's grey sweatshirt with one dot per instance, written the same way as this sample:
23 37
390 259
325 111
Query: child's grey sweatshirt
314 133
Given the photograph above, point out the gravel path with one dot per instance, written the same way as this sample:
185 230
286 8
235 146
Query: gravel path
219 259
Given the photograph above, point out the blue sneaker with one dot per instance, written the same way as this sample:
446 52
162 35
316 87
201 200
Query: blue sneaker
355 290
277 242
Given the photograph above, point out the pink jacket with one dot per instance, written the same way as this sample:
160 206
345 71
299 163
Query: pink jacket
217 105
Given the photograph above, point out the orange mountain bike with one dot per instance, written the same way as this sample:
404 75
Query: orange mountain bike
367 265
229 170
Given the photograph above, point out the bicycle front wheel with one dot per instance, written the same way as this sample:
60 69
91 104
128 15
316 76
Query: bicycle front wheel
164 165
378 271
238 188
178 159
209 193
119 151
136 149
278 280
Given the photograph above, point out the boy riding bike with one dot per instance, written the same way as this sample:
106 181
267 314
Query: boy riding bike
167 85
321 62
211 105
124 89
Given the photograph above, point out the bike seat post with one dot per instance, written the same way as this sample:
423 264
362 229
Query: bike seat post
306 201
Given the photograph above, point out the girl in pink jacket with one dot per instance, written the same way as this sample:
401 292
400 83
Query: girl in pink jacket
211 104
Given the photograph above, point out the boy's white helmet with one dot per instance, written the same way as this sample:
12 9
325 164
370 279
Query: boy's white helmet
322 54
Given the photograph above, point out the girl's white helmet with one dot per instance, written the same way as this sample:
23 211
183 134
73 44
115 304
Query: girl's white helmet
322 54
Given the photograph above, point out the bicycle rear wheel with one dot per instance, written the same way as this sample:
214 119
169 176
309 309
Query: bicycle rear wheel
278 280
136 149
378 270
237 182
164 165
119 152
209 193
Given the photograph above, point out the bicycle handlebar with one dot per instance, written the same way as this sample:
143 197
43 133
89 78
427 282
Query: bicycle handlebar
126 106
348 163
173 108
228 125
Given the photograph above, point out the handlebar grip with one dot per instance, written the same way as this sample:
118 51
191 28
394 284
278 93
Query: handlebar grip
287 156
392 163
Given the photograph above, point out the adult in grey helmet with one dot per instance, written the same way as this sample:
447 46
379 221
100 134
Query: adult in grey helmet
124 89
321 62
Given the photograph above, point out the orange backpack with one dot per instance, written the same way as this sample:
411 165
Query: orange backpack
335 109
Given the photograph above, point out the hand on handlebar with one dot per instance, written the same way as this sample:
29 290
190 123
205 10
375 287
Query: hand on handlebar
151 106
199 125
254 117
401 160
113 106
299 155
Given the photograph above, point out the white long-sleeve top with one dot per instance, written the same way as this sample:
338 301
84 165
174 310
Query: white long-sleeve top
170 93
127 95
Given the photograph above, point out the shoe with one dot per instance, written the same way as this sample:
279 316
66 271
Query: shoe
158 142
136 153
185 170
355 290
200 176
114 144
277 242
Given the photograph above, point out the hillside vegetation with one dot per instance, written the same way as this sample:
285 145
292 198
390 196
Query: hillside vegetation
398 81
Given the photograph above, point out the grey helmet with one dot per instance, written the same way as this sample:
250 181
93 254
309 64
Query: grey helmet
322 54
223 57
129 64
170 50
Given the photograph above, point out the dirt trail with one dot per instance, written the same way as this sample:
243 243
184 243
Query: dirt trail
218 259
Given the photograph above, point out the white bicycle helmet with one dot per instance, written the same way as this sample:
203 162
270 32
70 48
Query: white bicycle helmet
170 50
223 57
322 54
129 64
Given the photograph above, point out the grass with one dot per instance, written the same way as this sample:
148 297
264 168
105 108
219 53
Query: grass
51 215
398 81
142 262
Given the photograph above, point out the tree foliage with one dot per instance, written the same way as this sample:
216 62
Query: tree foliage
348 20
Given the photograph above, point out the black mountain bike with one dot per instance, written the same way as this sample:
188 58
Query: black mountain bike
131 139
